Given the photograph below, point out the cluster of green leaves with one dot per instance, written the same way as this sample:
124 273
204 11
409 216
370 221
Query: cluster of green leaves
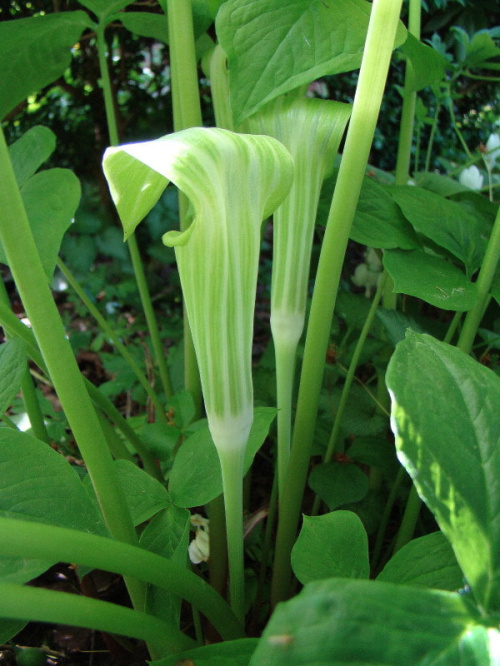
437 599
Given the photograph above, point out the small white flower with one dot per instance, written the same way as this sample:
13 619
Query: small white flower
471 178
492 153
367 274
199 548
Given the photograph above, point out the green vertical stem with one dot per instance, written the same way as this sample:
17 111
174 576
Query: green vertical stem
452 327
285 351
483 283
232 477
408 110
368 98
187 113
135 256
431 137
217 563
384 521
32 284
410 517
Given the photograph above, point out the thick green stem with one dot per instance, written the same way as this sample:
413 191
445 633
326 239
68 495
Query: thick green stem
57 544
410 517
232 482
285 352
187 113
135 256
372 79
408 111
218 546
32 284
484 280
34 603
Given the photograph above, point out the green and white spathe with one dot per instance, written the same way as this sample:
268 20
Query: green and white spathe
233 182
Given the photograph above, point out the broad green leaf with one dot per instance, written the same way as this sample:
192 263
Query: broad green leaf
13 365
9 628
273 48
338 483
230 653
428 561
334 545
431 278
436 182
35 52
445 418
370 623
378 221
146 24
168 535
38 484
30 151
445 222
396 323
427 66
195 478
145 495
104 8
50 198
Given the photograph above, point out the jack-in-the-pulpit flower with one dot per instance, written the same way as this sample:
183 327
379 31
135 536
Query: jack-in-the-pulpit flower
472 178
233 182
311 129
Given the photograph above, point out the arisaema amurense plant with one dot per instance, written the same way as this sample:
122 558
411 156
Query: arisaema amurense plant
233 182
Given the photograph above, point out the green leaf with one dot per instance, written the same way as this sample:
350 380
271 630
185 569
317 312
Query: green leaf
195 478
230 653
38 484
13 365
334 545
338 483
428 561
370 623
9 628
445 418
442 185
104 8
145 495
272 48
29 152
431 278
168 535
146 24
34 52
50 198
378 221
445 222
427 66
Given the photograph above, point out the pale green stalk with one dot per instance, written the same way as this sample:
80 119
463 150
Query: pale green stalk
37 604
31 281
135 256
219 85
57 544
368 98
483 283
187 113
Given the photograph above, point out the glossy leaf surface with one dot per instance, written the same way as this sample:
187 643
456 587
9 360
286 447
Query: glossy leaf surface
445 418
334 545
